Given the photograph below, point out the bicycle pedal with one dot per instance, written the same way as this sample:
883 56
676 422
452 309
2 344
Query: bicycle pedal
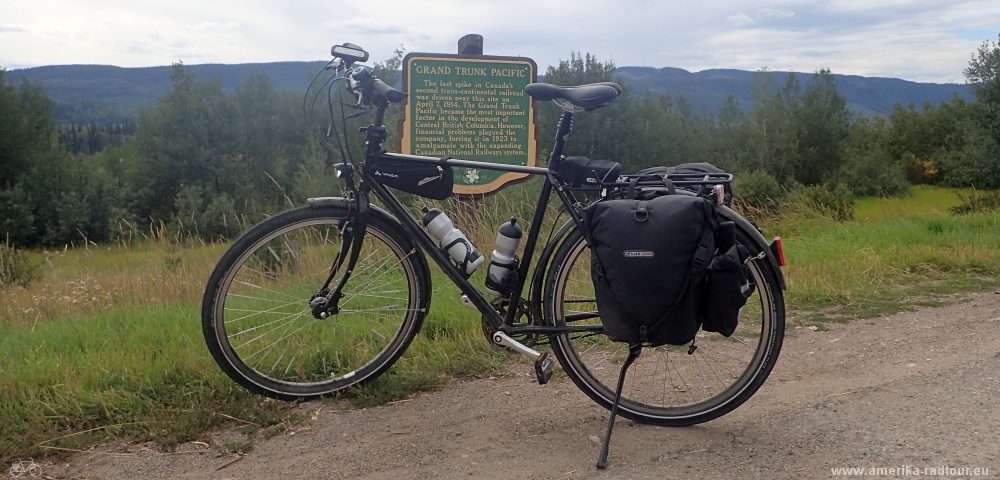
543 368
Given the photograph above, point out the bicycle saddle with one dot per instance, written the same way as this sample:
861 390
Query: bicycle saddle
587 97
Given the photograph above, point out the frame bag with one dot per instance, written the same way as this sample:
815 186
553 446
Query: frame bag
649 263
587 174
427 180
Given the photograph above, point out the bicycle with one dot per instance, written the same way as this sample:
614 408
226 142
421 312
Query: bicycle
22 468
328 296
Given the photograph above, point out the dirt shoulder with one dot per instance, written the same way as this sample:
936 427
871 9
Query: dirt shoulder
912 390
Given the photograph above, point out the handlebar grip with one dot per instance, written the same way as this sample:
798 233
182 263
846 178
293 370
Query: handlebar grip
390 94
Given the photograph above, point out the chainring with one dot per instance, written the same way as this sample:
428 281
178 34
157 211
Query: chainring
501 305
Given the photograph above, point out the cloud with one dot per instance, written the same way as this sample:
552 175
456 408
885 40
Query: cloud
773 13
742 20
928 40
217 26
363 26
739 20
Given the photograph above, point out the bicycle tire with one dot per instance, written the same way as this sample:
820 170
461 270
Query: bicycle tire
258 323
667 385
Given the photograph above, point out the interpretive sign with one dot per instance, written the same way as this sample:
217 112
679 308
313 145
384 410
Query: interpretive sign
471 107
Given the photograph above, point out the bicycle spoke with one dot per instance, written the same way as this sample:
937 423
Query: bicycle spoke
258 312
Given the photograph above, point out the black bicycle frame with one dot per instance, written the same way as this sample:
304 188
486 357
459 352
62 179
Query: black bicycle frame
375 137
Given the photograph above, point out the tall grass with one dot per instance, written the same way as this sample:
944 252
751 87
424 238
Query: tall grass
143 373
899 253
134 373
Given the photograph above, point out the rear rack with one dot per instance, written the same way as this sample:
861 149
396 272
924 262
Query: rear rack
678 179
700 184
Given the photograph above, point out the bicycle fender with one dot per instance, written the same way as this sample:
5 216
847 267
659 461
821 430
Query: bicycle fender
326 202
541 268
752 231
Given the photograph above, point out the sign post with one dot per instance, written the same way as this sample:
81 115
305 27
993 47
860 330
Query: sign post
471 107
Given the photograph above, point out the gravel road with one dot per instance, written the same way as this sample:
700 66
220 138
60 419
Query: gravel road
909 391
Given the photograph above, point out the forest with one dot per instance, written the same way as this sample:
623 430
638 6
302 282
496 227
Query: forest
205 163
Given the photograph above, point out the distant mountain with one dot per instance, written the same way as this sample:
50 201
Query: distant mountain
708 89
110 94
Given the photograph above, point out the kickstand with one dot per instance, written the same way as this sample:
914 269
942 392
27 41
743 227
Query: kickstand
633 353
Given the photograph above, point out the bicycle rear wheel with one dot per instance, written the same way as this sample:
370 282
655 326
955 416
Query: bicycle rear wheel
667 385
258 323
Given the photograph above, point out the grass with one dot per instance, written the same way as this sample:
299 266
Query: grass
145 374
901 253
107 344
921 200
133 373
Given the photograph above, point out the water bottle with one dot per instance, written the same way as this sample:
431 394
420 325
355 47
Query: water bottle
452 240
499 280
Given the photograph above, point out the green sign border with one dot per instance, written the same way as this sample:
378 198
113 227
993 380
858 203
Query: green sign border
405 143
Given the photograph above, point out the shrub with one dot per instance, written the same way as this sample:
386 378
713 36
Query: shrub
835 202
758 190
15 267
977 202
974 164
220 220
873 174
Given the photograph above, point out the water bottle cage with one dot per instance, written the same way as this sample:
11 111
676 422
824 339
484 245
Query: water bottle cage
509 280
464 264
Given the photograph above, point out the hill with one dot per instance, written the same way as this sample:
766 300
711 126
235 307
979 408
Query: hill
707 89
106 93
110 94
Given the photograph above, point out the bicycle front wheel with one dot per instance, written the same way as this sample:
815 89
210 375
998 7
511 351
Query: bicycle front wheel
667 385
260 328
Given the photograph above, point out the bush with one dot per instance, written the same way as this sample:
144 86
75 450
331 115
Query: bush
977 202
974 164
873 174
758 190
834 202
220 220
15 267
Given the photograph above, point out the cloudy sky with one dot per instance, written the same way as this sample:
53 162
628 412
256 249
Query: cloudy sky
920 40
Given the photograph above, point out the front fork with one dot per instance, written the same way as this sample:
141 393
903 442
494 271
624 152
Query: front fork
326 302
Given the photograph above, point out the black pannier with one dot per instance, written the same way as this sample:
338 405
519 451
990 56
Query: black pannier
728 283
664 267
427 180
649 260
584 173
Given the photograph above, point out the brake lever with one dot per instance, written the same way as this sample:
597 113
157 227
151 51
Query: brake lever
358 106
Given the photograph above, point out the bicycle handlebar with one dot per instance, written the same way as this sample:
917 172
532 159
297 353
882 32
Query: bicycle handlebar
361 81
390 94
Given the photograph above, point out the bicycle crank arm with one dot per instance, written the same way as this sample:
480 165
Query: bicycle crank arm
543 362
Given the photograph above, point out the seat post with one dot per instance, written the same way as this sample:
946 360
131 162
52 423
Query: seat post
633 353
562 132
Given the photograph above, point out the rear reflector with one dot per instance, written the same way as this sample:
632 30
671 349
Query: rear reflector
777 251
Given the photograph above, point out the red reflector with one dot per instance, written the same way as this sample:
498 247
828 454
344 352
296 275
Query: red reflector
776 246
